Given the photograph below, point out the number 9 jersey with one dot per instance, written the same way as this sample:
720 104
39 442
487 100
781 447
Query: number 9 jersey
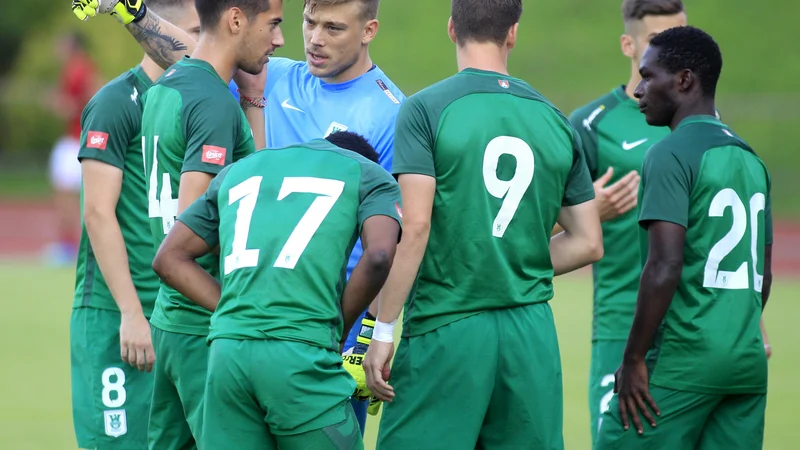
505 161
708 180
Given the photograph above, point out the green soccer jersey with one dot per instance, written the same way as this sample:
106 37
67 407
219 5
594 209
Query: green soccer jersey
505 161
708 180
614 134
191 123
286 221
111 124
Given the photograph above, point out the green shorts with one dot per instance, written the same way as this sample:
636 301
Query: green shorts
606 359
266 394
176 413
492 380
690 420
110 399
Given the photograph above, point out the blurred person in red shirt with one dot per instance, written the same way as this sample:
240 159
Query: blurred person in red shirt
79 80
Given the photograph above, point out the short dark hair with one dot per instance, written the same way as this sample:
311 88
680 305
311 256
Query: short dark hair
639 9
210 11
682 48
484 20
354 142
165 8
369 8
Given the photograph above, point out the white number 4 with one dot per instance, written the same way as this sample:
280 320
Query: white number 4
510 191
329 192
739 279
164 205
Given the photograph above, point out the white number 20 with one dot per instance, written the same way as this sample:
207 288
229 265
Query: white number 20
246 193
738 279
511 191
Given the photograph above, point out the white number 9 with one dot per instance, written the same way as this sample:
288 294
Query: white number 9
510 191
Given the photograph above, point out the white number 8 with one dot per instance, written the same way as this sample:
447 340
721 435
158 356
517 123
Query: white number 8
117 386
510 191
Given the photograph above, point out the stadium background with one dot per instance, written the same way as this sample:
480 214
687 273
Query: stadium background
568 50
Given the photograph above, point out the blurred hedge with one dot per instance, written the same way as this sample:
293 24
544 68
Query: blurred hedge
568 50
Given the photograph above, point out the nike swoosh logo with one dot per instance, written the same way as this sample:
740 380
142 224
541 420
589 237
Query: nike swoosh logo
286 105
632 145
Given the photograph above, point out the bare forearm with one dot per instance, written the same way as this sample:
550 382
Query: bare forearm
191 280
657 287
570 252
404 271
162 41
255 118
108 246
364 285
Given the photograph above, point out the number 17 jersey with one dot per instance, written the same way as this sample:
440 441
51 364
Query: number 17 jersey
505 161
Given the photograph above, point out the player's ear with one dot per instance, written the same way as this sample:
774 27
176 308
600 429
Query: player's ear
626 44
451 30
511 39
686 79
235 20
370 31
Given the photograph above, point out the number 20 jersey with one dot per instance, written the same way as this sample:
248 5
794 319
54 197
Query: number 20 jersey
505 161
706 179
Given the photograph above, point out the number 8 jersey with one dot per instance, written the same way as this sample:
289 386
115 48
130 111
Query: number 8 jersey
505 161
708 180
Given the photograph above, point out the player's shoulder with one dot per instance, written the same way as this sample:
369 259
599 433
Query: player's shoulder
122 95
279 66
389 95
592 113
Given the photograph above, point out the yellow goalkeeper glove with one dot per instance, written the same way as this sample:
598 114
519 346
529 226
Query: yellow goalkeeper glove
354 357
125 11
374 406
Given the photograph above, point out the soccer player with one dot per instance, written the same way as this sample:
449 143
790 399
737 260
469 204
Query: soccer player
694 364
615 137
192 127
110 344
486 165
284 221
337 87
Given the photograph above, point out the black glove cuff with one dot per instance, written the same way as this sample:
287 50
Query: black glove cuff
141 13
370 316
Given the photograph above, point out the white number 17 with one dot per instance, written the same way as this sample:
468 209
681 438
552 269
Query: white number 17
246 193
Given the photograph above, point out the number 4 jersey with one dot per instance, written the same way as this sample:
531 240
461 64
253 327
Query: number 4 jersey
286 221
505 161
191 123
708 180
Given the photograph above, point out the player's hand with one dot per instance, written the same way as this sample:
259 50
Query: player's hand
631 386
617 199
125 11
377 370
251 86
136 343
374 406
84 9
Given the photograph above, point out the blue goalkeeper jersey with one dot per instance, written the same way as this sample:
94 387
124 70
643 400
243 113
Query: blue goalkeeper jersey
302 107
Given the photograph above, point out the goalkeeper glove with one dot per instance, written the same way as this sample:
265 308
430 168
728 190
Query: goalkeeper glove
125 11
354 357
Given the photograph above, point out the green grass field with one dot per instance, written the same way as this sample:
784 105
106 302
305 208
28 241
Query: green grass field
35 385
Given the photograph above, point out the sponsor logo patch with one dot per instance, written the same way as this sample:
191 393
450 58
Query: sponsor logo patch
503 83
214 155
116 422
388 92
96 139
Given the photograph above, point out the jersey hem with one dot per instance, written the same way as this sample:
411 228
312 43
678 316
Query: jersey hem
120 166
659 218
582 198
714 390
418 170
180 329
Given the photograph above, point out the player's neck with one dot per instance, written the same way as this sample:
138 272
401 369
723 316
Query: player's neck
633 82
701 107
362 66
217 53
151 69
482 56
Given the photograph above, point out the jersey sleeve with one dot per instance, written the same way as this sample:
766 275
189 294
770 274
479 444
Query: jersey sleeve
588 142
379 194
384 144
768 214
212 127
579 188
276 69
202 216
665 188
413 140
109 124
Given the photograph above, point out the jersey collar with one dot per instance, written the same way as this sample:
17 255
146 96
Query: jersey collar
345 84
199 63
700 118
142 77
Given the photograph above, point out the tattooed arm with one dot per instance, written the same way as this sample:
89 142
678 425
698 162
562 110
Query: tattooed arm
162 41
